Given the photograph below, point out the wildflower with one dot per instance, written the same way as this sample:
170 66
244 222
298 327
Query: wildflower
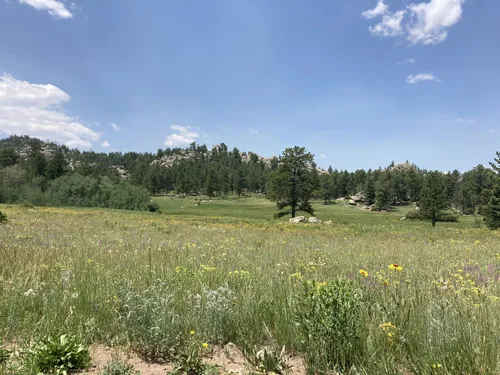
205 345
395 267
436 365
191 333
387 326
363 273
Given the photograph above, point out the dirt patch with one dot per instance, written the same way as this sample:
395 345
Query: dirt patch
229 360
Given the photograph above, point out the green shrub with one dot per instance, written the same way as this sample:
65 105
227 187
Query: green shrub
331 325
119 368
413 215
190 357
267 360
153 206
57 355
151 323
448 216
3 217
85 191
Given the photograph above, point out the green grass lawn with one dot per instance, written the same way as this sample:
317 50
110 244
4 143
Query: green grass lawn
261 209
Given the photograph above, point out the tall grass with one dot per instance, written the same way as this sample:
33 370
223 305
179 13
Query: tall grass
146 280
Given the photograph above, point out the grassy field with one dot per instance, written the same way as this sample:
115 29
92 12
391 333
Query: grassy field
228 272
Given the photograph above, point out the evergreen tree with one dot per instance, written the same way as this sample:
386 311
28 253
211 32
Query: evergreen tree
492 211
384 194
433 199
8 157
326 187
370 191
292 184
210 183
56 166
36 160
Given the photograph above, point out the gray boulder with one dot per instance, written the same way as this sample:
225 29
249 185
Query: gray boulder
297 219
352 202
314 220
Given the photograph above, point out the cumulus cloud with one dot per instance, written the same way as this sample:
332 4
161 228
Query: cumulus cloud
421 77
35 110
252 131
116 127
105 144
390 26
181 136
322 156
423 23
56 8
379 10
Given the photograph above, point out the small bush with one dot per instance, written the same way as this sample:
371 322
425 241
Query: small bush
3 217
331 325
151 322
448 216
153 206
413 215
119 368
190 357
268 360
57 355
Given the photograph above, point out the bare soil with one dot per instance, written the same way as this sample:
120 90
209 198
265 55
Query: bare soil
229 360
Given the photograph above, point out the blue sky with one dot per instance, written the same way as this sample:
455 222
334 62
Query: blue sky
358 83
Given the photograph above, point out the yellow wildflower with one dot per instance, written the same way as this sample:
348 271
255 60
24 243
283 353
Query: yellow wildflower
191 333
205 345
395 267
363 273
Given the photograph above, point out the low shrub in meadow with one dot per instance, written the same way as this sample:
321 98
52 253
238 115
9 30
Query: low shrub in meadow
331 324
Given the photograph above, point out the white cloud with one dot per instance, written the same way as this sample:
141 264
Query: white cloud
182 135
430 21
379 10
56 8
390 25
116 127
407 61
322 156
35 110
252 131
105 144
415 78
422 23
466 121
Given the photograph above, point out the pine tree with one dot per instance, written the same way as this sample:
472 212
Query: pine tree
492 210
384 194
433 199
370 191
210 183
292 184
326 187
56 166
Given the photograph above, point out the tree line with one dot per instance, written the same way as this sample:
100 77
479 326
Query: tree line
46 173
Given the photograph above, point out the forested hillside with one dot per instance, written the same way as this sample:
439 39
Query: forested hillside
45 173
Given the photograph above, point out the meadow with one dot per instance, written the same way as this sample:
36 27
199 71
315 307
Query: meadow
367 294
